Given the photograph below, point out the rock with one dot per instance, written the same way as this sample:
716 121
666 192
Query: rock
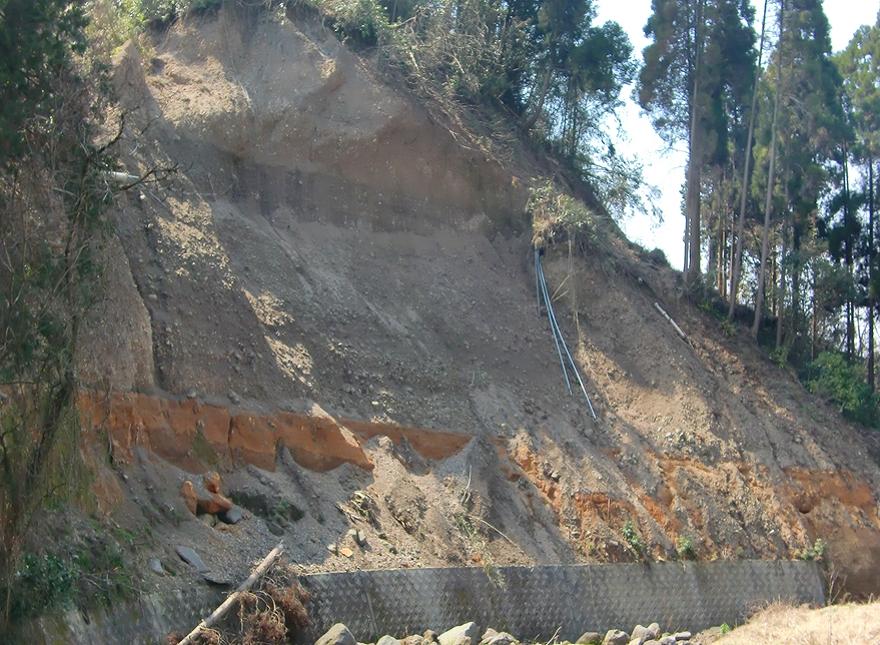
332 548
488 635
346 552
651 642
387 640
457 635
190 498
199 500
357 536
192 558
337 635
208 519
682 636
212 481
590 638
234 398
233 516
430 636
667 640
155 565
615 637
502 639
415 639
218 579
639 634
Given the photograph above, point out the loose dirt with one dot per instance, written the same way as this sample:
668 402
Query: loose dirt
328 251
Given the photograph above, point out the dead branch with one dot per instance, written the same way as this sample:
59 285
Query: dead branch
671 321
233 598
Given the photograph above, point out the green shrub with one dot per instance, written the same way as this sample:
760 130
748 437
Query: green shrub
779 355
728 328
364 22
684 546
815 552
832 377
657 257
633 539
552 210
42 582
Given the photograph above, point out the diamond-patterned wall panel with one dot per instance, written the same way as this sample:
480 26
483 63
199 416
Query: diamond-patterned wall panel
546 600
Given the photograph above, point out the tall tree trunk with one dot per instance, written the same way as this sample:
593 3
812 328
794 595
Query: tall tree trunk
744 188
780 307
695 165
871 272
771 177
538 106
848 258
815 324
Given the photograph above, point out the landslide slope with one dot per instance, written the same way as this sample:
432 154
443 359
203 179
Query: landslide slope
332 290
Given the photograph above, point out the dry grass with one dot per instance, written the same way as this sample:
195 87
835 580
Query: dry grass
837 624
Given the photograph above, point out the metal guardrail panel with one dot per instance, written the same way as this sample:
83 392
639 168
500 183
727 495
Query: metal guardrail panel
537 601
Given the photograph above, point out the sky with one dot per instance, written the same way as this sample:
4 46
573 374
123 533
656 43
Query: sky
664 168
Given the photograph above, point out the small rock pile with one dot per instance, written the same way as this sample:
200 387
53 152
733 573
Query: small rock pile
205 501
469 634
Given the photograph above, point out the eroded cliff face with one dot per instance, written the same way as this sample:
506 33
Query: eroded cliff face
332 297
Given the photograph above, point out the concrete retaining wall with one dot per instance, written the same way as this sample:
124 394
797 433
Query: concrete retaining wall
529 602
537 601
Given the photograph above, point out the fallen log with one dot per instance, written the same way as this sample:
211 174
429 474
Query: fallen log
230 602
671 321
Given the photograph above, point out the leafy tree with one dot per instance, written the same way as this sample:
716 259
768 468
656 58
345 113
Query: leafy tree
810 132
52 196
696 73
859 64
37 38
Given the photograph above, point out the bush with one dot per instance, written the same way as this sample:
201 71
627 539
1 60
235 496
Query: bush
815 552
832 377
633 539
364 22
552 210
684 546
42 582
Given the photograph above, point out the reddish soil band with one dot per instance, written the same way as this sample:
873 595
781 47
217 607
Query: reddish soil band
196 436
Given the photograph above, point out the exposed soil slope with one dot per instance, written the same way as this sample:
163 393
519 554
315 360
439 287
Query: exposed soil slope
327 249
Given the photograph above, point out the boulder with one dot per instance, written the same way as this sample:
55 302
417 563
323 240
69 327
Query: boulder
337 635
590 638
200 501
667 640
615 637
155 565
488 635
192 558
233 516
212 481
467 634
641 634
387 640
682 636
